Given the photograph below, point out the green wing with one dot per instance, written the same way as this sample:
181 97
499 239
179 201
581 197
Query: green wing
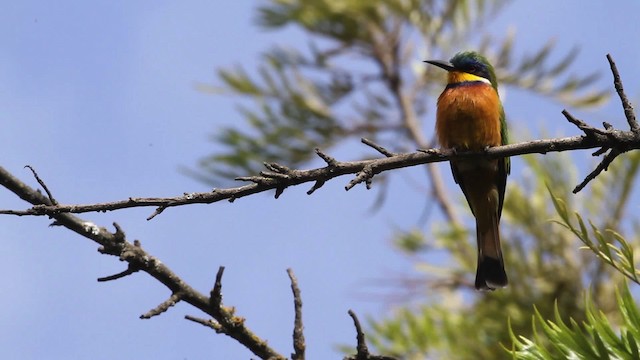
504 164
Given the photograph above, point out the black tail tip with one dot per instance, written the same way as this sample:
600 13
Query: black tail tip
490 274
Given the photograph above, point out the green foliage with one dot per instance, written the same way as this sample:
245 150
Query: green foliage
362 76
595 338
540 272
547 268
602 334
620 257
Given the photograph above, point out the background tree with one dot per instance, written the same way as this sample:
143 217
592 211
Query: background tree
363 76
67 93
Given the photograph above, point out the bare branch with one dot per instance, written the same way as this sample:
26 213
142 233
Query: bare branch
586 128
378 148
279 177
365 170
604 165
362 351
626 105
361 343
298 333
133 253
215 297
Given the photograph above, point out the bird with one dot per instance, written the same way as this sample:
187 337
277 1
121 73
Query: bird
470 117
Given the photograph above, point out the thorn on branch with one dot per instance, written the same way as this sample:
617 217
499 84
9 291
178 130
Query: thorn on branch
377 147
298 328
44 186
171 301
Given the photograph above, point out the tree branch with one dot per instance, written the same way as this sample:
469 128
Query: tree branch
299 344
280 177
362 350
626 105
137 258
608 141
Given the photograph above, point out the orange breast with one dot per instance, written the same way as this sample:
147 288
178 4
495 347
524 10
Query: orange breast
468 117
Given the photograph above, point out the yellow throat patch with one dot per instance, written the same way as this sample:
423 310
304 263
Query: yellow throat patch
456 77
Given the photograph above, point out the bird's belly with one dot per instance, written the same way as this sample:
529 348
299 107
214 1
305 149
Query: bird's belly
468 117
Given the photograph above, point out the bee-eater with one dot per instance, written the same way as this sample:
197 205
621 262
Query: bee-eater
470 117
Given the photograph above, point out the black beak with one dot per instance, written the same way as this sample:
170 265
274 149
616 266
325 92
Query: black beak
441 64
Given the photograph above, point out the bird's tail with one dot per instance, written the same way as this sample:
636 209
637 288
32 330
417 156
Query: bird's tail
490 273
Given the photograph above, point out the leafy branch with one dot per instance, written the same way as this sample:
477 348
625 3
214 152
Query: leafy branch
596 338
621 258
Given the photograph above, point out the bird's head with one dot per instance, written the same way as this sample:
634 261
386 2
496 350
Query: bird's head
468 66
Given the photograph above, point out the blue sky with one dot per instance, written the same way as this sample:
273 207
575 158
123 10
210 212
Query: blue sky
100 98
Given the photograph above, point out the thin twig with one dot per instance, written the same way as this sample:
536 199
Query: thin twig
299 344
215 297
164 306
378 148
362 351
586 128
44 186
210 323
361 346
328 159
603 165
317 185
626 105
128 271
